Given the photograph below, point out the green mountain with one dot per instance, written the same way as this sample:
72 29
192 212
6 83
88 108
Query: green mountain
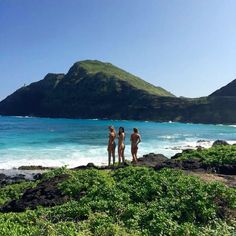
93 89
90 68
89 89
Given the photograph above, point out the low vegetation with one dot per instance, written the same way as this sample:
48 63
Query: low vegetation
94 67
216 155
127 201
14 191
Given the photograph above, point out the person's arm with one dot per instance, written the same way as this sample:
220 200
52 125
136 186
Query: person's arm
109 141
123 137
112 138
139 139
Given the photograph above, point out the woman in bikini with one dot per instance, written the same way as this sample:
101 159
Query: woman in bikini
111 145
135 140
121 145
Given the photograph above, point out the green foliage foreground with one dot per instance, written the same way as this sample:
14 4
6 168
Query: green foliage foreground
129 201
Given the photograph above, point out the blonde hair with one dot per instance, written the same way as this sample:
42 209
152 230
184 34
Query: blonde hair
111 128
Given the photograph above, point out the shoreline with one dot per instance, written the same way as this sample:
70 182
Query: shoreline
30 170
107 119
32 165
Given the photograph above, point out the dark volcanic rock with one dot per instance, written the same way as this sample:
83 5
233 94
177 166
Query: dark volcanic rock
177 155
195 164
190 164
88 166
220 142
34 168
2 176
5 179
151 159
38 176
45 194
168 164
226 169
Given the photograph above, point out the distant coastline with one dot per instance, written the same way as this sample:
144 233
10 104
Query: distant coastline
93 89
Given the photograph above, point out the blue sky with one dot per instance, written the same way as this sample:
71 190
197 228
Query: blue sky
186 46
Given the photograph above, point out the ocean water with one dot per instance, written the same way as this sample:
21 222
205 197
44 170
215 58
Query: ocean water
73 142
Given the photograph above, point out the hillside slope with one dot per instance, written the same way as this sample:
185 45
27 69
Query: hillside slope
227 91
90 89
93 89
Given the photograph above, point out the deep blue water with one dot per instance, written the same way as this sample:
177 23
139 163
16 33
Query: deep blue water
57 142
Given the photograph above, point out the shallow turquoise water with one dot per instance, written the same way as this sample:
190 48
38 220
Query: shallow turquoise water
57 142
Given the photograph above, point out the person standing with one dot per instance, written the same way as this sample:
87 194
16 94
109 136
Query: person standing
135 140
121 145
111 145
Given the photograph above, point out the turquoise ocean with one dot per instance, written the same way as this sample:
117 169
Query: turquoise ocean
73 142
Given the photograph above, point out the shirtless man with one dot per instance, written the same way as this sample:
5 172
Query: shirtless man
135 140
121 145
111 145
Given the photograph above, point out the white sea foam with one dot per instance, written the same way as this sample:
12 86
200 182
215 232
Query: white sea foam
73 156
22 117
65 142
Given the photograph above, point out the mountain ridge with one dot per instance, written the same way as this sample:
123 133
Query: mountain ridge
93 89
227 90
94 66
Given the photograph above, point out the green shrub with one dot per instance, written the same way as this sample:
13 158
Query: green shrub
130 201
14 191
214 155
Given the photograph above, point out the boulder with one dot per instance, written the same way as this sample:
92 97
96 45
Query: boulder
170 163
151 159
219 142
88 166
192 164
226 169
189 150
6 179
177 155
35 168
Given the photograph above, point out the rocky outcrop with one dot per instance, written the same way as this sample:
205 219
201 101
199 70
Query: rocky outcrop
6 180
196 164
220 142
190 164
45 194
34 168
225 169
85 167
151 159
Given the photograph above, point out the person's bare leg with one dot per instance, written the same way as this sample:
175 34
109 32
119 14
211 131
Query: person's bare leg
133 156
119 155
132 153
136 159
123 156
109 158
113 155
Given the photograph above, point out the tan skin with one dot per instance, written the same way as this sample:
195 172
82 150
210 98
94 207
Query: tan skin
135 140
121 146
111 145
